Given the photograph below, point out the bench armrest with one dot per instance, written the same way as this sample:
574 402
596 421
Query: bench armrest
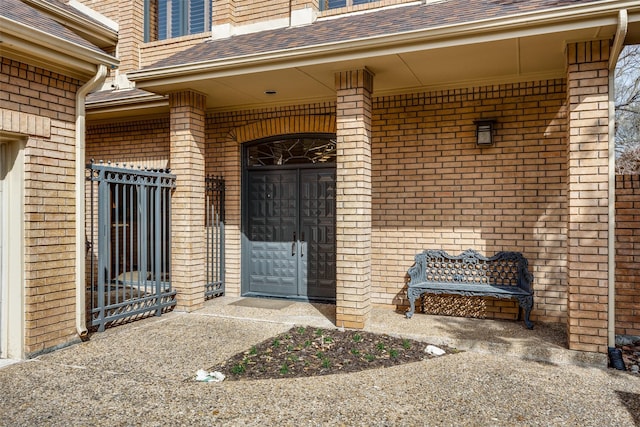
416 271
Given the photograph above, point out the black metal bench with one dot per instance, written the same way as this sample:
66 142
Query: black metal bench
504 275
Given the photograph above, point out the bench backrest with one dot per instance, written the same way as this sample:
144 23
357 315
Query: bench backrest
504 268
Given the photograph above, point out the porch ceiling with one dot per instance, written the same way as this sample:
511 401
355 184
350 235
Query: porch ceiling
489 62
512 52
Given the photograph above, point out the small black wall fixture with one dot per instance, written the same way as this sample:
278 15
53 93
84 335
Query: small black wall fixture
484 132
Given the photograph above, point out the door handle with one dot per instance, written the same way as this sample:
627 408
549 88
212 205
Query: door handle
293 245
302 245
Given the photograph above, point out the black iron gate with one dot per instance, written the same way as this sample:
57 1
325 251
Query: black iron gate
214 223
130 267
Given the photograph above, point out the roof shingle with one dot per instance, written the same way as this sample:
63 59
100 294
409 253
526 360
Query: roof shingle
385 22
22 13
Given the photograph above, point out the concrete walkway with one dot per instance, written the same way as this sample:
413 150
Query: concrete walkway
545 343
142 374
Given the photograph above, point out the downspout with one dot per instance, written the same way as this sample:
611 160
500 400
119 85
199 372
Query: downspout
618 44
81 317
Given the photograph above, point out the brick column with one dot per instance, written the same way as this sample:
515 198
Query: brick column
131 34
187 137
353 198
587 194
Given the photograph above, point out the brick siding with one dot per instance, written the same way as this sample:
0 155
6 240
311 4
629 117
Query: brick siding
353 197
143 143
108 8
41 104
628 255
251 11
587 195
434 188
187 137
130 18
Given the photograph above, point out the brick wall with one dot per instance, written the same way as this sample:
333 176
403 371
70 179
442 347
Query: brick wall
130 34
353 197
188 153
108 8
628 255
130 18
142 143
41 104
587 195
223 12
250 11
434 188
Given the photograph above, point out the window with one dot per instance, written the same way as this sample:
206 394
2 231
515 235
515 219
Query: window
175 18
334 4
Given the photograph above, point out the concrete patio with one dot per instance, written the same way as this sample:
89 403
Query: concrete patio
143 374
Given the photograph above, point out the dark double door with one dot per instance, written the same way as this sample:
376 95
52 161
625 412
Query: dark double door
289 241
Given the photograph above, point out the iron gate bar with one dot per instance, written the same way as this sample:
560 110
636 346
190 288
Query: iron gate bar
214 229
130 198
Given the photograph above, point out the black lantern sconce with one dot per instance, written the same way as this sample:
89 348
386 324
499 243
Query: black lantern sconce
484 132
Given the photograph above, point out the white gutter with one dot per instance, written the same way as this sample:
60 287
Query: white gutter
81 318
618 44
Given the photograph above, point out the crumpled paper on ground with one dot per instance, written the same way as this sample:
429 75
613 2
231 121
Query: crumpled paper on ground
209 377
433 350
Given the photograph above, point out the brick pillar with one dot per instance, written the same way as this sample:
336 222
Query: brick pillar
131 34
224 12
187 137
587 194
353 198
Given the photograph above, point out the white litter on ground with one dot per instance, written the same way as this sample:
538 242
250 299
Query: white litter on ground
433 350
209 377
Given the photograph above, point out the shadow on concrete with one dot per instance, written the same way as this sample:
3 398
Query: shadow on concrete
545 343
631 401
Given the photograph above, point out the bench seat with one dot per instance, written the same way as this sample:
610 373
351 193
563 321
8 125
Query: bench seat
504 275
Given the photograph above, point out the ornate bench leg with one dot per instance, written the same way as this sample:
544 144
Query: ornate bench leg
527 304
412 295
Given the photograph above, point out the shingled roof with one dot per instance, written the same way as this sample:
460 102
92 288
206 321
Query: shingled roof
128 95
385 22
24 14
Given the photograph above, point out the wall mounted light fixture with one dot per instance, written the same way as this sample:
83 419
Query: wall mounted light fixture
484 132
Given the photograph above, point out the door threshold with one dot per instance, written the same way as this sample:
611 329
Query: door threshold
289 298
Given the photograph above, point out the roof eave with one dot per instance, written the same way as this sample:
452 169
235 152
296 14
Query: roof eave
531 23
150 99
35 46
100 35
